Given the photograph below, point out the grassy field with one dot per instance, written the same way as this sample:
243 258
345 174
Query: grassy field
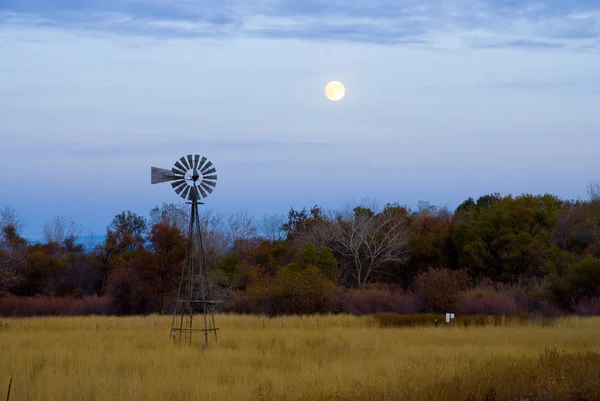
298 358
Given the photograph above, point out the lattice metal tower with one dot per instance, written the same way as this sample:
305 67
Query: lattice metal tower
193 179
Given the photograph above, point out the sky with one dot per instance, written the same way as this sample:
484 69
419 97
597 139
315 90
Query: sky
445 100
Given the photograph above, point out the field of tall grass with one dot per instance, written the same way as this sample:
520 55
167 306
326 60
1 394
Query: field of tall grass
299 358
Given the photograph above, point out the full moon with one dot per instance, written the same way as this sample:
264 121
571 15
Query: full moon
335 91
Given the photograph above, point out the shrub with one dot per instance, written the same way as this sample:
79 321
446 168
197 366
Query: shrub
583 279
130 296
488 302
375 299
238 302
437 289
60 306
588 307
292 292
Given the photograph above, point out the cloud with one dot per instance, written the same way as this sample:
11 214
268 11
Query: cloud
431 23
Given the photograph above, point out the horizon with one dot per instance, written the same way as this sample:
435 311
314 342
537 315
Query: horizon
444 101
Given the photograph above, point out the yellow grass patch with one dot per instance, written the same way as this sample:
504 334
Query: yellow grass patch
298 358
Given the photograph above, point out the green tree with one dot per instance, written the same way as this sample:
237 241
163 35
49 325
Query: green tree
322 258
291 292
507 238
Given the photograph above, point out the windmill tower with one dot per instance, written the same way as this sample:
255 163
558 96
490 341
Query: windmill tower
192 178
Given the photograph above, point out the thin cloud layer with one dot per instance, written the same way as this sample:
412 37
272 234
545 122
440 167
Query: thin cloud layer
443 24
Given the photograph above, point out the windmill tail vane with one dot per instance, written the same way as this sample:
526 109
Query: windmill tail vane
193 178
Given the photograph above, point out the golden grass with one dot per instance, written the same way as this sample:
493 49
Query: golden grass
297 358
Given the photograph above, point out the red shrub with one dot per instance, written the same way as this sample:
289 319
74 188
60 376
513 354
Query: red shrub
437 289
487 302
375 300
62 306
238 302
588 307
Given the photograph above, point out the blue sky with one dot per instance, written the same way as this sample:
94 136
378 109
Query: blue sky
444 100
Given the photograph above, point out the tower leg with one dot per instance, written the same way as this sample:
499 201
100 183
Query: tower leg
194 273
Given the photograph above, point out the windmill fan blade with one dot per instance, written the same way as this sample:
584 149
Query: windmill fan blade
178 172
211 171
193 194
211 183
184 162
190 161
177 183
201 163
210 177
158 175
208 189
180 166
204 195
185 192
196 158
206 167
180 188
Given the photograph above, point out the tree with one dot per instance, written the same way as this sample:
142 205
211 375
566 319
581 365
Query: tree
10 217
123 236
43 264
304 227
221 232
240 227
272 227
430 242
506 239
367 241
128 229
594 191
175 215
79 276
322 258
61 230
13 256
160 267
437 289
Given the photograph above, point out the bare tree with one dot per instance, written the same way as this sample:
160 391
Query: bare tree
367 241
240 226
10 217
12 249
175 215
594 191
306 226
220 231
272 227
61 229
12 267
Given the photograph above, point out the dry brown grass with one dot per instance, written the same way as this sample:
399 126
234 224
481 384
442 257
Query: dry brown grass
296 358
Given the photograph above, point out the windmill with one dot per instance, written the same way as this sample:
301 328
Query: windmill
193 178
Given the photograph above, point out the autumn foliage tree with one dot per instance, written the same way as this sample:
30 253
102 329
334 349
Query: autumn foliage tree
159 266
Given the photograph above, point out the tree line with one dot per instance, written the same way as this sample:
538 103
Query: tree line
494 255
